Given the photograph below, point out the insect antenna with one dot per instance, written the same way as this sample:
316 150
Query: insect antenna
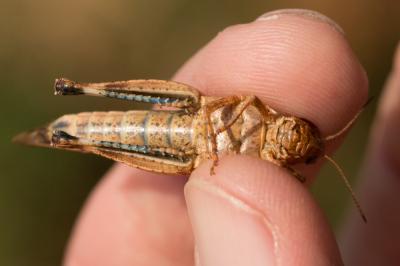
349 124
348 186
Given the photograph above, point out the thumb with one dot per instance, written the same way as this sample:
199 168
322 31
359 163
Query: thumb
254 213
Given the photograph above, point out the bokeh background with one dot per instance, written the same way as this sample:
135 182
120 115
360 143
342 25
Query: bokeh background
42 191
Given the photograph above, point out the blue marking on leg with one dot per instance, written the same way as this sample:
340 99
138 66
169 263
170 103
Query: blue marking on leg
141 98
128 147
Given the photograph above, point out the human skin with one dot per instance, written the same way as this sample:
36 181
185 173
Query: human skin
252 212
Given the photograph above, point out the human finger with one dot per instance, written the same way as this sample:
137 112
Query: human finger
377 242
253 213
133 217
257 70
295 61
263 58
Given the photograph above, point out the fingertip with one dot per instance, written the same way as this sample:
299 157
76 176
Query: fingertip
133 217
297 62
223 226
257 214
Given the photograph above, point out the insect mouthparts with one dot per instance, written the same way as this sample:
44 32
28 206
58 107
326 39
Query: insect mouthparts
63 86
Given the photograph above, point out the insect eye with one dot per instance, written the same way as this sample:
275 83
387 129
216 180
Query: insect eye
311 159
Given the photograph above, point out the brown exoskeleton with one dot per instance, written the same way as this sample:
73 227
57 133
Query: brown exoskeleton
177 141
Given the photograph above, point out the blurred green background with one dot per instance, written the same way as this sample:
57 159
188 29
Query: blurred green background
42 191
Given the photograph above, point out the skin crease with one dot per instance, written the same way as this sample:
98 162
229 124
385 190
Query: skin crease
251 212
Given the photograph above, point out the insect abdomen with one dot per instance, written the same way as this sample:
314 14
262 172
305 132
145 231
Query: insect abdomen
168 129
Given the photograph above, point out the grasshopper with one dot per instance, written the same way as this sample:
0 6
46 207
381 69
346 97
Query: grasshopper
177 140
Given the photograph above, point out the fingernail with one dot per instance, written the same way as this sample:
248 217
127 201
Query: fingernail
227 230
304 13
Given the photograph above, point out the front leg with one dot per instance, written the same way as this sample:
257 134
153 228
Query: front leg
242 103
208 110
296 174
245 101
265 111
270 157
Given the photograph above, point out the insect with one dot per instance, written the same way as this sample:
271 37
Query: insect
176 141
